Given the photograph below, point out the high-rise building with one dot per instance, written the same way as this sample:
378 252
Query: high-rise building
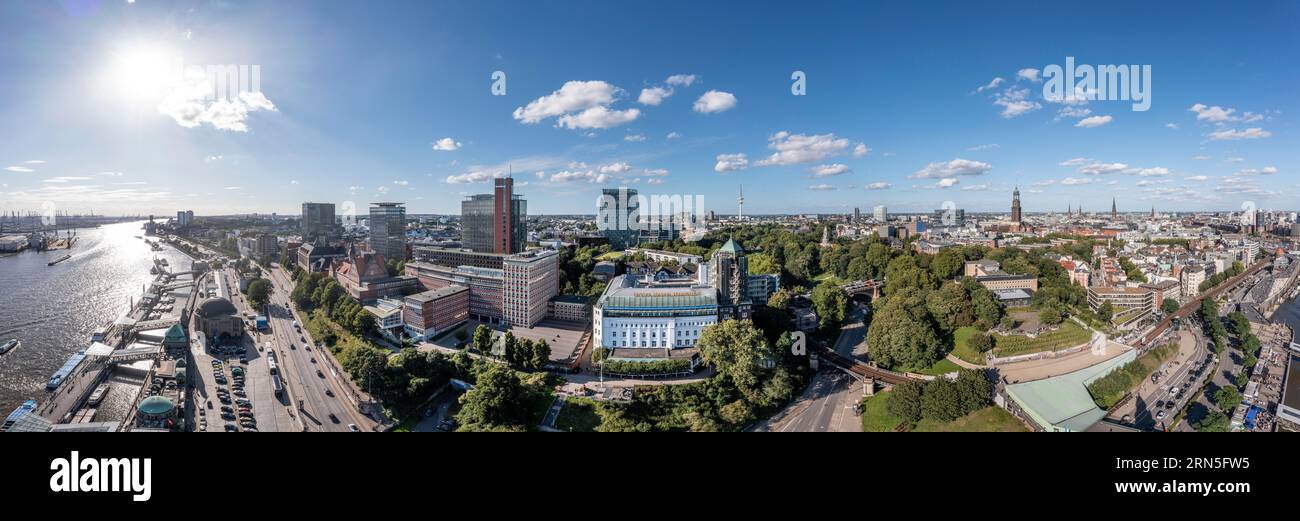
318 222
184 218
880 213
1015 205
729 272
495 222
857 214
618 213
388 230
1114 215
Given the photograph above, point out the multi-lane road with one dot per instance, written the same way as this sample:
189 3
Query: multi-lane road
328 402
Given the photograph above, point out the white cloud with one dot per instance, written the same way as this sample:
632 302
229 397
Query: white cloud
1234 160
714 101
821 187
401 182
654 95
655 181
381 189
1075 162
731 162
1015 102
598 117
589 176
1030 74
672 135
655 172
1198 178
540 175
233 188
878 185
1158 171
976 148
947 182
634 138
976 188
615 168
955 167
861 149
477 176
1258 171
1215 114
830 170
1072 181
193 102
35 162
19 169
1045 182
293 182
1201 158
798 148
1171 125
991 85
1234 134
111 174
446 144
681 80
1097 168
1094 121
65 179
573 96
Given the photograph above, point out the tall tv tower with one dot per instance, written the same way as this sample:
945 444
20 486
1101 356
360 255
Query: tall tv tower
740 213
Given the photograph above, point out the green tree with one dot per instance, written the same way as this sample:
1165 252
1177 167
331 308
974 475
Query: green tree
541 354
980 342
780 299
974 390
950 307
902 334
948 263
831 304
1215 421
1050 315
1227 398
259 293
1106 311
941 400
483 339
905 401
738 351
1169 306
499 401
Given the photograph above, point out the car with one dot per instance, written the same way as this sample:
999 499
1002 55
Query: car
320 374
313 359
1160 415
307 347
353 427
209 404
1169 405
203 412
227 416
329 392
226 408
1160 403
231 428
292 348
334 418
243 360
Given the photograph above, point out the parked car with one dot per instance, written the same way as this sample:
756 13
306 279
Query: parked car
334 418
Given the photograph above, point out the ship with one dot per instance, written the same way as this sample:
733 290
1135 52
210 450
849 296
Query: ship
68 367
58 260
9 346
97 395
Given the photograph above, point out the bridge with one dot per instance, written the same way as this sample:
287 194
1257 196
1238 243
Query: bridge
1195 305
862 286
862 370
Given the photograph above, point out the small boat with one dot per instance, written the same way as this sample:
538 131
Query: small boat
58 260
9 346
97 395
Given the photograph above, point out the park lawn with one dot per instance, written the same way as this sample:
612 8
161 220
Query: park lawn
963 351
1069 335
611 256
578 415
827 277
988 419
874 416
943 366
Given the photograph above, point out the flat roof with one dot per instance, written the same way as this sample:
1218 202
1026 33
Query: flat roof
1291 388
435 294
1063 402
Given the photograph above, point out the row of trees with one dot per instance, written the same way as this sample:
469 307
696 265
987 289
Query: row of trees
315 291
941 399
1219 277
258 293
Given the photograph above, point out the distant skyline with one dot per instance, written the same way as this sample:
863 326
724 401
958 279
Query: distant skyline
906 106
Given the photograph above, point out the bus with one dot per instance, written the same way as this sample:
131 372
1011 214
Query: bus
275 384
270 364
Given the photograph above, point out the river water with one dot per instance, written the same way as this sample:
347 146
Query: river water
1289 314
54 309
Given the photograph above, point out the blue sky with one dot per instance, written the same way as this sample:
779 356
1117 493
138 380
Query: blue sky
354 98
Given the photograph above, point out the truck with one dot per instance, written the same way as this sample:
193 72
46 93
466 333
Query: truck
262 323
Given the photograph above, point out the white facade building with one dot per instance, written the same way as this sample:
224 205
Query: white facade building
631 314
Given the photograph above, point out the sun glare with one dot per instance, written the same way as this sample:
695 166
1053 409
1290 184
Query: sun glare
145 72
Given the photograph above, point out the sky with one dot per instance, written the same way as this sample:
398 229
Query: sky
811 107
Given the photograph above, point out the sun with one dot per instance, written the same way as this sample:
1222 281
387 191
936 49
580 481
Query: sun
144 72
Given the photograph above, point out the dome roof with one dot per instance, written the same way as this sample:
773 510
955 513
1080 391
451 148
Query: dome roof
156 405
215 307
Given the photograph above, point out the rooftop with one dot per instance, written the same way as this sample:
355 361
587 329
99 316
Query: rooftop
1063 402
